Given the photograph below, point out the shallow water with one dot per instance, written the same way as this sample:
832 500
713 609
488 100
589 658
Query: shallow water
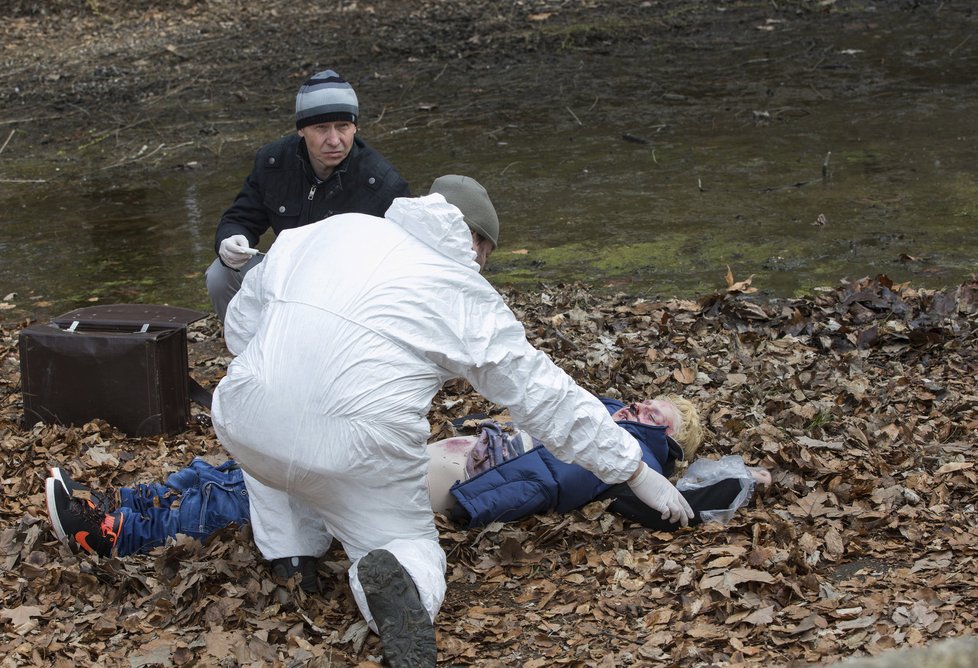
798 161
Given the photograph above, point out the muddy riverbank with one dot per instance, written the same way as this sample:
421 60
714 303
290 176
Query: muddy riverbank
639 146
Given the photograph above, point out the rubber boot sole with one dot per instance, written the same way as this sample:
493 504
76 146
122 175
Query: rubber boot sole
405 628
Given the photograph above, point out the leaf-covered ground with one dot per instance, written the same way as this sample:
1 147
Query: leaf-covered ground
861 400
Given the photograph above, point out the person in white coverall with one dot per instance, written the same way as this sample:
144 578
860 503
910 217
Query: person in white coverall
342 338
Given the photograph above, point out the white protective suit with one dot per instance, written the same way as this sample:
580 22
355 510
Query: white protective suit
342 337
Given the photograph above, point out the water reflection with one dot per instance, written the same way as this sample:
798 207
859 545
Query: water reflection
197 238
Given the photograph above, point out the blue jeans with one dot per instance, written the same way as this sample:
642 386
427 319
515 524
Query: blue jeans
195 501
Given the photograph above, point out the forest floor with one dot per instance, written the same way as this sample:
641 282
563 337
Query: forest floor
860 399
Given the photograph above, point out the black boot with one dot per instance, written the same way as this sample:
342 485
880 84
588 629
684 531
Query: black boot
404 625
286 567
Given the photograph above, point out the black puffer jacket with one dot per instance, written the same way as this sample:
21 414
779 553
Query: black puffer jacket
282 191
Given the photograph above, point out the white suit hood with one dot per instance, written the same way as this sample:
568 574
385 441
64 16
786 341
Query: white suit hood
437 223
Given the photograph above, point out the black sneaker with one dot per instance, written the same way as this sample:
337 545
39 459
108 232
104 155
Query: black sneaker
79 522
286 567
78 490
404 625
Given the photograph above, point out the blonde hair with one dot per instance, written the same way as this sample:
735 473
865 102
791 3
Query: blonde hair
690 435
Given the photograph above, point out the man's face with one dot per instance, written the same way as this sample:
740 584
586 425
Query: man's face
328 144
652 411
483 249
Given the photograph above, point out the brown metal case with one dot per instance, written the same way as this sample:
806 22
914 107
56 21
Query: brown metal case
126 364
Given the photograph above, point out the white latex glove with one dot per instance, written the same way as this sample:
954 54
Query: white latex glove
655 491
235 251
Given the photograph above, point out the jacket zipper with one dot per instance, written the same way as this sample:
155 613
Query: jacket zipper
312 191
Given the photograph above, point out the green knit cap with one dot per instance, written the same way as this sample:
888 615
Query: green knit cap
473 201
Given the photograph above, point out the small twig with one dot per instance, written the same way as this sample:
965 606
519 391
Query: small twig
699 184
515 162
109 133
492 526
593 104
381 117
562 337
312 624
493 133
960 44
441 73
139 156
80 108
797 184
31 119
9 137
825 166
822 59
574 115
23 180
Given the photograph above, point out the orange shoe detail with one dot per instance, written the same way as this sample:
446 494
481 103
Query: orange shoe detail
110 529
82 539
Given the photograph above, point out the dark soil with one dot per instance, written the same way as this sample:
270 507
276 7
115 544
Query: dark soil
80 75
95 83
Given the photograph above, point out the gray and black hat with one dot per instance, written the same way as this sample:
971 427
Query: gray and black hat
325 97
473 201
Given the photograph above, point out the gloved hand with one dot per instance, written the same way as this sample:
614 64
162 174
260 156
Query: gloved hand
655 491
235 251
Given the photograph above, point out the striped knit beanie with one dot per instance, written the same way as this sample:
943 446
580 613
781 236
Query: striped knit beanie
325 97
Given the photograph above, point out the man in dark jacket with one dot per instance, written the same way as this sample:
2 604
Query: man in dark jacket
323 170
